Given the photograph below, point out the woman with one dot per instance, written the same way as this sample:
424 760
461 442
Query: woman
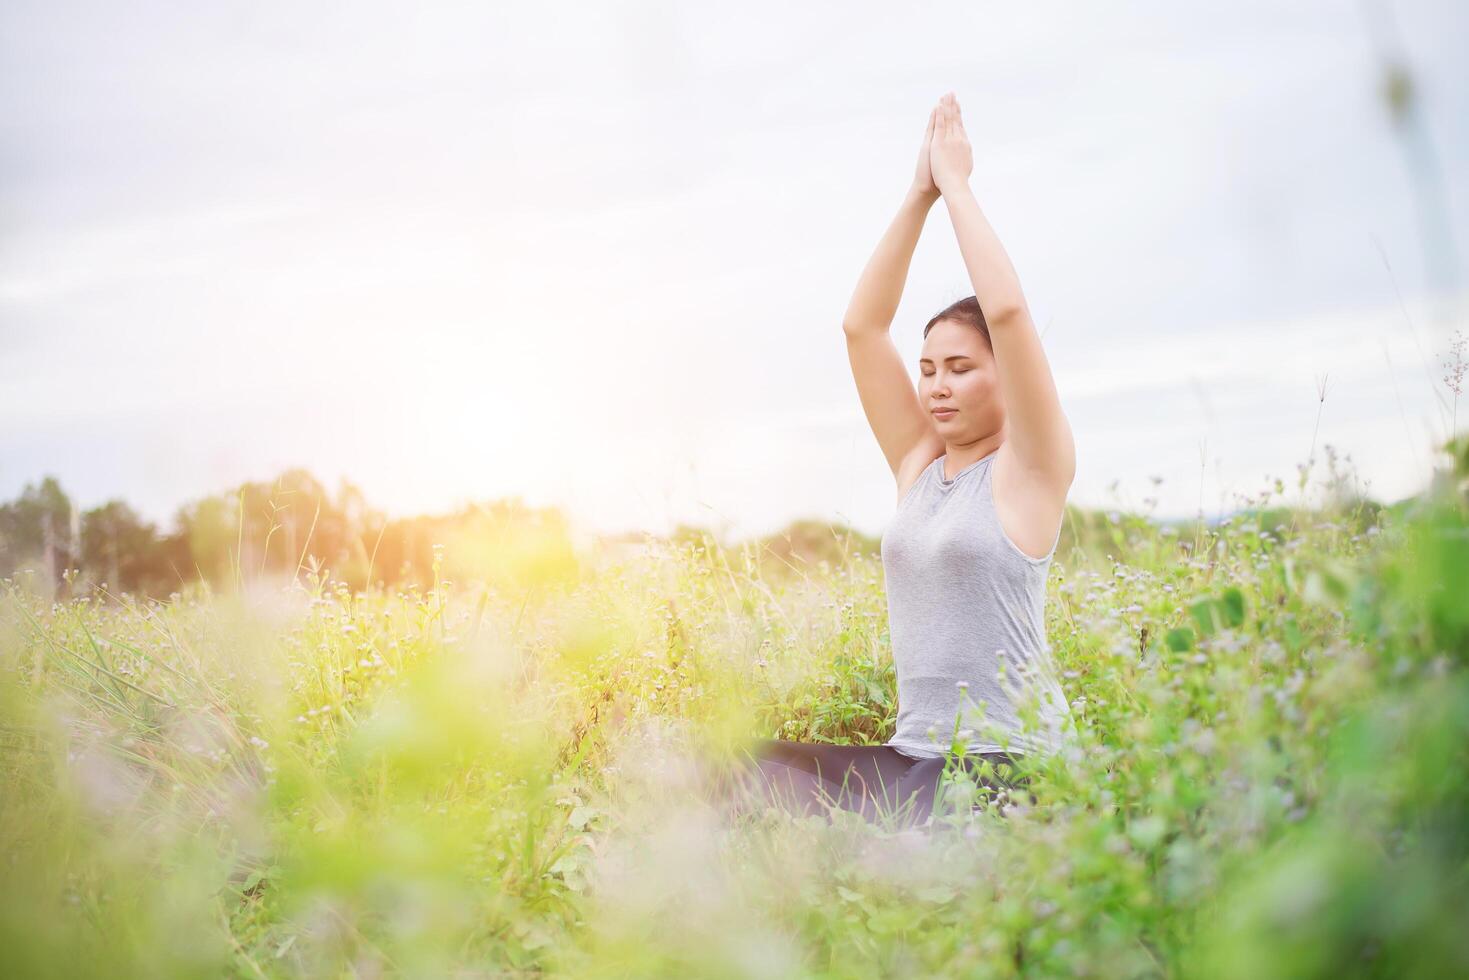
983 457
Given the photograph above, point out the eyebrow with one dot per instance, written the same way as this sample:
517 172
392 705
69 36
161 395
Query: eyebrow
952 357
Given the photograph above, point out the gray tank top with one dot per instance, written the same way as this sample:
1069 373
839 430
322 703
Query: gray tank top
966 613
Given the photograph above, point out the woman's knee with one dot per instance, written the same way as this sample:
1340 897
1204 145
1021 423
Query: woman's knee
772 783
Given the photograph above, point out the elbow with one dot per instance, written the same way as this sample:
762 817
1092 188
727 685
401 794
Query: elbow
1007 314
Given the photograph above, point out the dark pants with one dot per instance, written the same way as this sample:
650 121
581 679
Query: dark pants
876 781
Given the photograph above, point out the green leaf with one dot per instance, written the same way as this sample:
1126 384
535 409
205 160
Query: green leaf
1180 639
936 893
1294 638
1233 607
1206 616
1227 611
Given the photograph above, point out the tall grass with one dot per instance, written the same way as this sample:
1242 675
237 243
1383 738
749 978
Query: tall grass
1268 775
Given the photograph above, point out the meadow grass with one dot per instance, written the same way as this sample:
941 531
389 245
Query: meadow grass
1267 775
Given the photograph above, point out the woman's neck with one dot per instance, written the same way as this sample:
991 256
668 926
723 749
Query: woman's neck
959 456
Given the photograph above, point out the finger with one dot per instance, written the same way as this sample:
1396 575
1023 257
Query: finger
932 116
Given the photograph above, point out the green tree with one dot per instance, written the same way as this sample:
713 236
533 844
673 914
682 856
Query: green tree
40 526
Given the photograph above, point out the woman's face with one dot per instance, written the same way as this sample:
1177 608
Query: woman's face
957 371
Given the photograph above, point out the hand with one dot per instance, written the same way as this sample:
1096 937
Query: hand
949 157
923 179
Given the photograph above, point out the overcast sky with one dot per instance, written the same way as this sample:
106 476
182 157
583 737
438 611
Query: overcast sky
596 255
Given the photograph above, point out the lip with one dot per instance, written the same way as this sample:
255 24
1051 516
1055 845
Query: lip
945 413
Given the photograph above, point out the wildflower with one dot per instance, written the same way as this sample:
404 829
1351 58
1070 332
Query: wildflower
962 685
1454 370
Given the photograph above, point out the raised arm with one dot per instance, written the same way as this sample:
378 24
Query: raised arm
1040 435
888 396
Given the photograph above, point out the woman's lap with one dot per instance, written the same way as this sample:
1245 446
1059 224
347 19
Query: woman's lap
864 778
875 780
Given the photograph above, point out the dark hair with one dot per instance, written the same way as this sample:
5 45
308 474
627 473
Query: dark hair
965 311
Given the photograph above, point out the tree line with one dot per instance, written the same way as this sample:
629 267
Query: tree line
292 527
287 527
